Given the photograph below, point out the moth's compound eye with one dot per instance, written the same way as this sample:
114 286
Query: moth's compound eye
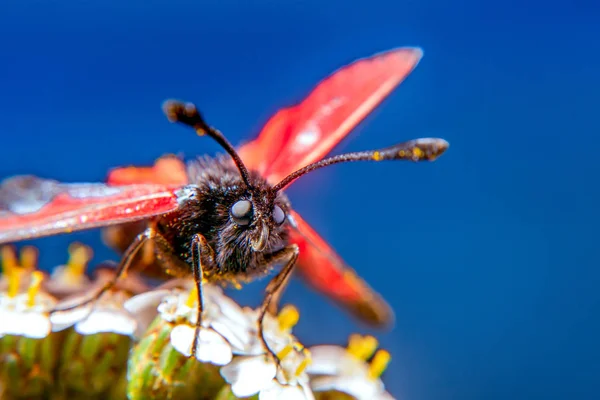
241 212
278 215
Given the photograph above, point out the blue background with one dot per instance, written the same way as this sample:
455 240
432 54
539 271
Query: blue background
491 267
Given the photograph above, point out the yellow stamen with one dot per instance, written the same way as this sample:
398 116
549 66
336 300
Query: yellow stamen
14 282
192 298
34 288
29 256
288 317
9 259
380 362
377 156
362 347
79 256
283 353
305 362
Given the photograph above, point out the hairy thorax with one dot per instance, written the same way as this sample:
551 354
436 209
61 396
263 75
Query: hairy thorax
205 204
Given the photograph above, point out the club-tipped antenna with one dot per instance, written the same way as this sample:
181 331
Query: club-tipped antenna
425 149
188 114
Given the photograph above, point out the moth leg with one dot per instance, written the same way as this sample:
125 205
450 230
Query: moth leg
275 287
202 254
203 258
273 307
122 268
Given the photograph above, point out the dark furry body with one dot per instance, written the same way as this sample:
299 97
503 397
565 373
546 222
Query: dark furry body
215 185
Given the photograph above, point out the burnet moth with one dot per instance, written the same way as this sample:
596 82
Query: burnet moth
227 218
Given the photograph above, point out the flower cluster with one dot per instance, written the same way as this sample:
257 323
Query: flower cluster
136 343
73 354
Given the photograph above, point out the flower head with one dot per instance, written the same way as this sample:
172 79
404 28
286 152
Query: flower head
80 351
70 279
139 341
161 361
257 372
91 315
29 351
346 370
229 338
224 324
23 305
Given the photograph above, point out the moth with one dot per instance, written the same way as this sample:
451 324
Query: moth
227 218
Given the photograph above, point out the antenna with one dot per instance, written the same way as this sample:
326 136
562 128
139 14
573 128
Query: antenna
424 149
188 114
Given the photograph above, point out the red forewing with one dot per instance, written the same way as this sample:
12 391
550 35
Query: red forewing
168 170
305 133
325 271
31 207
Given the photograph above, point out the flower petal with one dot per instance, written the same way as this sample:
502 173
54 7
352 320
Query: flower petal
104 321
384 396
211 346
29 324
362 388
64 319
330 360
227 306
248 375
146 302
182 338
144 306
289 392
308 393
237 336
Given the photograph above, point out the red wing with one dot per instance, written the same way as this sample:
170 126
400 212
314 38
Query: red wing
31 207
168 170
325 271
305 133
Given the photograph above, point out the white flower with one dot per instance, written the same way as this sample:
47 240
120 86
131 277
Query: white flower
346 370
143 307
25 314
257 372
229 337
224 324
277 331
249 375
20 318
103 315
25 310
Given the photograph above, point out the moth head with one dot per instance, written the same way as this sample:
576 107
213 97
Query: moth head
259 219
